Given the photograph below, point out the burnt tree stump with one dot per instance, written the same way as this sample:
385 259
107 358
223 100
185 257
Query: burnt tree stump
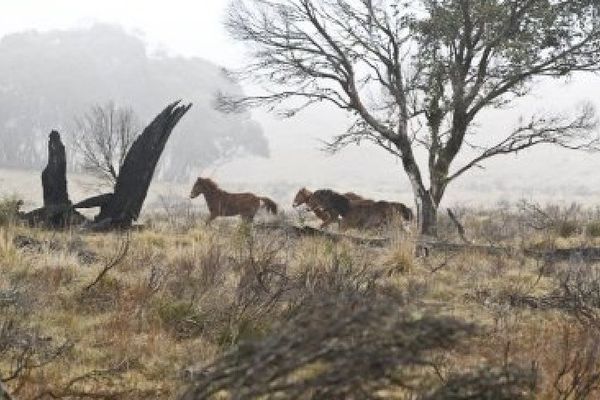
123 207
54 176
57 211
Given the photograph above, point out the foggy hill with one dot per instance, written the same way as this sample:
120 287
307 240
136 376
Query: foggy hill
47 79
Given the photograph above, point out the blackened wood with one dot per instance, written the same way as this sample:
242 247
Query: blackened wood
57 211
138 168
96 201
54 176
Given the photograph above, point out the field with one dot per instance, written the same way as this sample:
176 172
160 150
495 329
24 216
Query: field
180 309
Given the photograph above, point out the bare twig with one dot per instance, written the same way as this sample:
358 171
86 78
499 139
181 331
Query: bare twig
119 257
459 227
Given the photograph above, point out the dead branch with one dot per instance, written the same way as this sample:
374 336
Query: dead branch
459 227
119 257
79 386
579 374
26 350
569 132
96 201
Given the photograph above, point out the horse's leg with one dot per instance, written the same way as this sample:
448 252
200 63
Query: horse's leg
323 216
248 218
249 215
210 218
329 218
342 225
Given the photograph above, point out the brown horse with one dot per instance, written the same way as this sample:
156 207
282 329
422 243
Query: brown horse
355 210
353 196
373 214
326 204
223 204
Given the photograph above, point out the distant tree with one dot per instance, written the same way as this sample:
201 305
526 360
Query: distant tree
420 73
102 138
47 78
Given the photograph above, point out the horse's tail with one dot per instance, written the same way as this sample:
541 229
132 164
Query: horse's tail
269 204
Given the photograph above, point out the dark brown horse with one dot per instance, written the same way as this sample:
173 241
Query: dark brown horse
223 204
356 211
374 214
326 204
397 208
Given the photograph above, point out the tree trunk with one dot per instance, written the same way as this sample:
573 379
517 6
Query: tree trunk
426 214
426 206
135 176
54 176
57 211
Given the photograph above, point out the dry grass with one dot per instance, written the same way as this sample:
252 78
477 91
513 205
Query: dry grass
308 317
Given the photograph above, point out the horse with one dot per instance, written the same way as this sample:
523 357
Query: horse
224 204
355 210
326 204
399 208
353 196
373 214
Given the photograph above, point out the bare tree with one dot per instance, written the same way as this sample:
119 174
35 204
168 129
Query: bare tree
103 137
419 74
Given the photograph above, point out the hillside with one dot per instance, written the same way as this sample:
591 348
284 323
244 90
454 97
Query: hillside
47 79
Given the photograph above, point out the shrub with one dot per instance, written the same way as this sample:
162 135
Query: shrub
592 229
9 210
566 229
355 352
181 318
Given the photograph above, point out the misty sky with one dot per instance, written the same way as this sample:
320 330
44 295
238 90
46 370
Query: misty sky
183 27
194 28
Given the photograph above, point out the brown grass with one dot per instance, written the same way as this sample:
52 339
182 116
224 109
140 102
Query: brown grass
188 299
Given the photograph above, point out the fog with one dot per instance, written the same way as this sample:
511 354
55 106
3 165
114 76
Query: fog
193 29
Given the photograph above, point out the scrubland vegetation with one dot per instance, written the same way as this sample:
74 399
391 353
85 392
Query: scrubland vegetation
179 309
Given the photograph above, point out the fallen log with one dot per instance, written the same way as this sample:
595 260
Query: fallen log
74 247
583 254
307 231
430 244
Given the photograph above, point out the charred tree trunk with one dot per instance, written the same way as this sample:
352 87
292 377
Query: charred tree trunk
125 205
54 176
96 201
57 211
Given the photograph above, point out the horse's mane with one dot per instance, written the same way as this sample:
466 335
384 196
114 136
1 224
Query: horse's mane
209 184
329 199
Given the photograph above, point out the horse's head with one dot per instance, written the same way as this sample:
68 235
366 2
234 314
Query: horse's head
196 189
301 197
200 187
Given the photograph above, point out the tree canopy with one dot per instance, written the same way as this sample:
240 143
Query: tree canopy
418 74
